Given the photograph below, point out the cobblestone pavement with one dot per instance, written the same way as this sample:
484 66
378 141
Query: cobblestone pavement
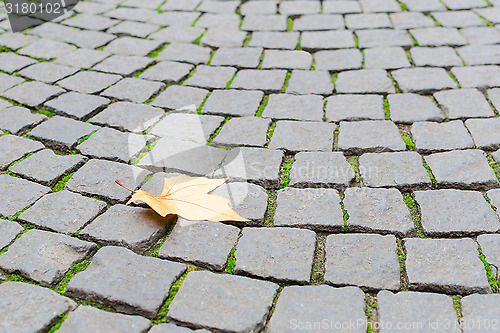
360 137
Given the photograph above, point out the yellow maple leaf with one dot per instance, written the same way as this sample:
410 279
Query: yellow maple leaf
188 197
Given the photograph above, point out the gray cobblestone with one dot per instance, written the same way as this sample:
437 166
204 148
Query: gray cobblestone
233 102
9 231
432 137
364 81
317 40
409 108
194 54
17 119
128 116
243 131
17 194
286 106
125 65
386 58
13 148
167 71
338 59
187 127
133 90
239 57
435 56
489 246
181 98
310 82
77 105
47 72
477 76
464 103
89 82
423 80
32 93
211 77
274 39
480 309
286 59
302 136
485 132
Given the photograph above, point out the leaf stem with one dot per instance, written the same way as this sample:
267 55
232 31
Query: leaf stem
120 183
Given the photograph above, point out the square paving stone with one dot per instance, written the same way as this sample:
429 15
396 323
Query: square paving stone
435 56
65 212
17 119
9 81
223 37
135 29
8 232
210 77
76 105
253 7
409 108
171 328
128 116
480 54
233 102
17 194
298 305
438 36
302 135
444 213
341 7
464 169
11 62
458 19
367 21
411 19
310 82
46 167
383 38
25 307
167 71
46 49
494 97
229 303
44 256
318 22
321 168
386 58
464 103
132 46
264 23
274 40
404 170
203 243
90 319
82 58
365 260
354 107
97 177
490 247
88 21
178 34
124 65
47 72
112 280
62 133
243 131
133 90
13 148
494 196
284 254
287 106
450 266
369 136
425 312
238 57
133 227
266 80
287 59
338 60
15 41
298 7
477 76
431 137
480 313
481 35
377 210
32 93
190 53
423 80
364 81
187 127
114 145
256 164
181 98
89 82
312 208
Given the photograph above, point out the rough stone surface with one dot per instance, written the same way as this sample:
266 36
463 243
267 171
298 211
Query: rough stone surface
187 127
480 313
490 246
233 102
128 116
17 119
43 256
477 76
89 82
369 136
287 106
17 194
181 98
302 136
485 132
8 232
76 105
243 131
445 265
409 108
267 80
32 93
310 82
112 280
430 137
13 148
231 303
167 71
203 243
464 103
284 254
377 210
133 90
364 81
354 107
423 80
294 209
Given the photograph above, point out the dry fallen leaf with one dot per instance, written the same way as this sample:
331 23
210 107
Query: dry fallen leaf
188 197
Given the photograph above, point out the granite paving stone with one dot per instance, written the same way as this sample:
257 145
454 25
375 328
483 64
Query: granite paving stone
464 103
133 90
29 308
46 49
294 209
243 131
443 56
443 213
318 22
266 80
310 82
321 169
89 82
485 132
481 35
97 177
367 21
4 104
203 243
167 71
32 93
431 137
256 164
11 62
366 260
133 227
222 37
477 76
480 313
44 256
255 7
304 304
464 169
185 52
445 265
132 46
9 81
299 7
175 18
490 247
354 107
17 194
89 39
128 116
112 280
463 4
62 133
423 80
110 144
231 303
181 98
337 60
92 22
9 231
386 58
18 119
403 170
416 311
13 148
286 59
380 6
15 41
494 197
264 23
438 36
490 14
238 57
210 77
458 19
274 39
409 108
178 34
46 167
47 72
364 81
212 20
377 210
284 254
480 54
302 136
411 19
135 29
383 38
65 212
287 106
90 319
124 65
233 102
369 136
341 7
